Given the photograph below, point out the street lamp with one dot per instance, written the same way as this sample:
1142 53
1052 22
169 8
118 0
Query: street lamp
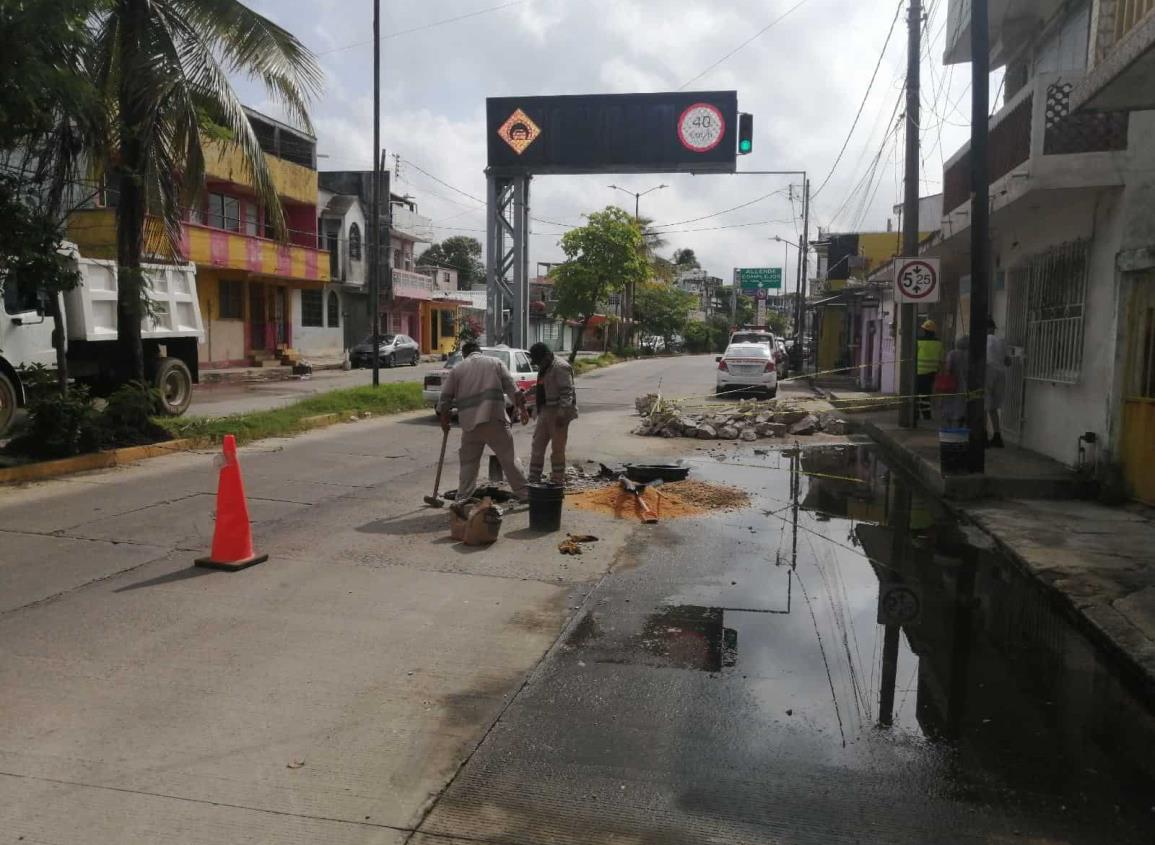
637 195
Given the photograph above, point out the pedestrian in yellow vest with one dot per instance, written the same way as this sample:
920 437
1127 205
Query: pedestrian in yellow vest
928 363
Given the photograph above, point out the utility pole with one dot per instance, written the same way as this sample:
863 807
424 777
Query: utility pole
908 352
375 212
804 255
980 237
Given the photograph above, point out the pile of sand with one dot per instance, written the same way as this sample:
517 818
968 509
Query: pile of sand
674 500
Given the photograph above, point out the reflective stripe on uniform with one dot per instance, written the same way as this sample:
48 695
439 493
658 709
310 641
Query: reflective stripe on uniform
490 394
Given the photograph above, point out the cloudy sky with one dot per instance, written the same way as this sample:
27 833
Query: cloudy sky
803 78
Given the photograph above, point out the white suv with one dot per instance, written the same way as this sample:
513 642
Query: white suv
747 367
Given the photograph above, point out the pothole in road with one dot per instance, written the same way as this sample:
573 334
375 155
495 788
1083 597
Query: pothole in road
669 501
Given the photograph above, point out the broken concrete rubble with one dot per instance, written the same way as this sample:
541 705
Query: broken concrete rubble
746 420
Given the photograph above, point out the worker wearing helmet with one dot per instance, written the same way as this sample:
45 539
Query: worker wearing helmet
556 409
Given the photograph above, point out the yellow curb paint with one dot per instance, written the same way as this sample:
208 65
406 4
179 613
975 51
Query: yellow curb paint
319 420
45 470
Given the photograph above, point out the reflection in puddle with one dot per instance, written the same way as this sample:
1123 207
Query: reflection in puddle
688 637
866 612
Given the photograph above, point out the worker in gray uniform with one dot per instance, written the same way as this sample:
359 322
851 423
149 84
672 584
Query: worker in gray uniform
477 388
556 409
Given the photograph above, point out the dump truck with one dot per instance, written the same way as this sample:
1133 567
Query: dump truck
171 330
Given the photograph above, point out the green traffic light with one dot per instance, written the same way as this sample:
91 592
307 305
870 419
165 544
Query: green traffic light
744 145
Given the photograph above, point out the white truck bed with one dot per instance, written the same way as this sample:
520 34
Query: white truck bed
91 307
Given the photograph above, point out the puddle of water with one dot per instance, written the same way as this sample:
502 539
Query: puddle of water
856 611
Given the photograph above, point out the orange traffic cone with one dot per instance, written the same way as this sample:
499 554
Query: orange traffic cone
233 536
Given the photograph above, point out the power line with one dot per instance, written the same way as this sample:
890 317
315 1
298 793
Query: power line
745 43
423 27
663 226
862 105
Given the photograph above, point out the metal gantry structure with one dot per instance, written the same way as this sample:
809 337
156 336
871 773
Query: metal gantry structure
507 259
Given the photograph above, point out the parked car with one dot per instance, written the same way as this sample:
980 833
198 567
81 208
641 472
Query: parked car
747 367
515 360
776 345
752 336
395 350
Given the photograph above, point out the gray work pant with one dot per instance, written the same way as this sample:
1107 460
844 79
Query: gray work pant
497 436
552 429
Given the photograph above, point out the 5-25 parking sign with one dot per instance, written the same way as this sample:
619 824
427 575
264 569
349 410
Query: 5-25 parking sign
916 280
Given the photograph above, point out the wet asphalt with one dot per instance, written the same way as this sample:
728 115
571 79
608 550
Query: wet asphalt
732 680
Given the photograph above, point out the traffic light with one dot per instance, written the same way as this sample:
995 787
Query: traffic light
745 133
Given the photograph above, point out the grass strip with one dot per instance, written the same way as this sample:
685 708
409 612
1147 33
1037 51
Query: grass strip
584 365
391 398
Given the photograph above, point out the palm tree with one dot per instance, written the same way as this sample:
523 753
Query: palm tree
163 68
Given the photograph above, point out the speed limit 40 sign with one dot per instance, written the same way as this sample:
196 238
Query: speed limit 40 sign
916 280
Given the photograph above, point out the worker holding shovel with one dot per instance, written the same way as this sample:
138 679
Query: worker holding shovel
477 388
556 409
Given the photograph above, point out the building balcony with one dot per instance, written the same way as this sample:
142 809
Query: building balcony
293 182
94 232
410 225
412 285
1009 24
1037 144
1122 76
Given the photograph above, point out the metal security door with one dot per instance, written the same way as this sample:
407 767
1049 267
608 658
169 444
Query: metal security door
1014 410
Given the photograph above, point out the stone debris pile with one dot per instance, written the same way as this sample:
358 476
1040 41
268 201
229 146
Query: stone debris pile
746 420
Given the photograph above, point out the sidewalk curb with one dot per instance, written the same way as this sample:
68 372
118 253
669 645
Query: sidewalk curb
1103 625
45 470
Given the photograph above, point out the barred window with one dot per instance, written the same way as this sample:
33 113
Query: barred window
231 300
1056 294
312 308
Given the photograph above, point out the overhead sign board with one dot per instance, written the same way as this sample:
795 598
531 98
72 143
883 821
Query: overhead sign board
675 132
916 280
760 278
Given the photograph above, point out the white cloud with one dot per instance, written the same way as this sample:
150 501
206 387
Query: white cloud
803 80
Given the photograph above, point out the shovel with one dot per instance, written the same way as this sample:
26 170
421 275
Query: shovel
433 501
636 490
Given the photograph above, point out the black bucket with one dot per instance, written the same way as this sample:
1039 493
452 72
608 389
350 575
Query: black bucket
545 501
953 446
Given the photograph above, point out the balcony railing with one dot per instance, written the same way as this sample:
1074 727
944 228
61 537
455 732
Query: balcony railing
1037 122
1117 19
412 285
94 232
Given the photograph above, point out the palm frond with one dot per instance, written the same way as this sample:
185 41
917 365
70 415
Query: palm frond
250 43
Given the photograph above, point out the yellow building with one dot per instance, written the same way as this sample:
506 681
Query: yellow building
261 300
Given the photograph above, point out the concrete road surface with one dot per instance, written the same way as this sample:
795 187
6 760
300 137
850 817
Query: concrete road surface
716 679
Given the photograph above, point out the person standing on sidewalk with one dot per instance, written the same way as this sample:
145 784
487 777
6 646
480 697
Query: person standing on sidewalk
996 383
928 360
556 409
477 388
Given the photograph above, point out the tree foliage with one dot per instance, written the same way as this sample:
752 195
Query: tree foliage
605 256
662 310
685 258
463 254
41 75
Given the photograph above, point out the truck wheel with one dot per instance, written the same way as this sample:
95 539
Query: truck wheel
174 381
7 402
